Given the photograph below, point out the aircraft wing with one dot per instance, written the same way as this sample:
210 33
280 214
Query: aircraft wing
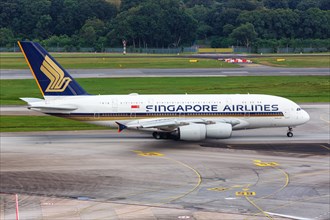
170 124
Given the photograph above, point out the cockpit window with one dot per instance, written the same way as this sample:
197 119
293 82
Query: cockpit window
298 109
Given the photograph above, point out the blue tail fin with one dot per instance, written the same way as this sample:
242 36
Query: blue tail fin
51 77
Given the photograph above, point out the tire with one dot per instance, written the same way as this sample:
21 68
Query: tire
289 134
156 135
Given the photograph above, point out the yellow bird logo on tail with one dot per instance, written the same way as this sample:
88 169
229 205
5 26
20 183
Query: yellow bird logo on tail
58 82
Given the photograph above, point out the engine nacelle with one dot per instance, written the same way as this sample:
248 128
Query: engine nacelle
198 132
192 132
219 130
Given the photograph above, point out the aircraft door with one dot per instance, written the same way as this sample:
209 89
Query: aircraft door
150 102
114 105
287 113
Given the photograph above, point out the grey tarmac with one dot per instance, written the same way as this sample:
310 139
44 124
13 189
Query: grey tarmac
247 70
257 174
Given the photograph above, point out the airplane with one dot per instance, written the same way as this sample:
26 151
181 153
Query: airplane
179 117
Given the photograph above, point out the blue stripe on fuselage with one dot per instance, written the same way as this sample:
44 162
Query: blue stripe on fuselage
148 114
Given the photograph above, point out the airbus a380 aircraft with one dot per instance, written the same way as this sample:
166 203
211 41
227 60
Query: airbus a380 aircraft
180 117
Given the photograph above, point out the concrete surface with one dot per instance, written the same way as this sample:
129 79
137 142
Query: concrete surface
247 70
257 174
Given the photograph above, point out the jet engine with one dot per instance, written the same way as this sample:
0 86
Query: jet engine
198 132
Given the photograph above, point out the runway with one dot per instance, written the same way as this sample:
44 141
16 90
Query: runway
247 70
257 174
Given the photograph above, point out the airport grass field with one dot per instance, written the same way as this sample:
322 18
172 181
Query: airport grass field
116 61
297 88
295 61
113 61
42 123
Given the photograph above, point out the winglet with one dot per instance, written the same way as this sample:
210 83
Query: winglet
121 126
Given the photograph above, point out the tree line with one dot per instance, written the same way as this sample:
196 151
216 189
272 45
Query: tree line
165 23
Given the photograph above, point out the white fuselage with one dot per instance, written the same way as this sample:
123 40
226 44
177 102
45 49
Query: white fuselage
250 111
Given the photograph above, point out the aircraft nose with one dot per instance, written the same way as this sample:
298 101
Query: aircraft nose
306 116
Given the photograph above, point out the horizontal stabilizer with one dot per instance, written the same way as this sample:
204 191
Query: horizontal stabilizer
31 100
40 105
46 108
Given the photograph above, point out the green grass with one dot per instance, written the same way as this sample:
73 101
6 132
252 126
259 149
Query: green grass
42 123
87 54
99 61
296 88
295 61
116 60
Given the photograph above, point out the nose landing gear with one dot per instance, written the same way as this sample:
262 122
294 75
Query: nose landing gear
289 134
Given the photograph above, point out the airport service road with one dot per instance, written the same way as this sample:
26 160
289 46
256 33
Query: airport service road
248 70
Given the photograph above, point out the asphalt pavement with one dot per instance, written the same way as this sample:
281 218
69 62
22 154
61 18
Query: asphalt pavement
247 70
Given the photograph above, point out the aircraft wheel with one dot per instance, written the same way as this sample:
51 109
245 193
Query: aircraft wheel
164 135
157 135
289 134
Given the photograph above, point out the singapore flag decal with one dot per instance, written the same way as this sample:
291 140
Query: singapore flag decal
135 106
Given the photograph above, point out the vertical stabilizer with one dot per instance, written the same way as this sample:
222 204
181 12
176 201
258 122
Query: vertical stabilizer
51 77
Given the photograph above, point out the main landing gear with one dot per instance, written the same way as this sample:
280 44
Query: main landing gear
161 135
164 135
289 134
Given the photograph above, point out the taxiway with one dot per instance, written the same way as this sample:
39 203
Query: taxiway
61 175
257 174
